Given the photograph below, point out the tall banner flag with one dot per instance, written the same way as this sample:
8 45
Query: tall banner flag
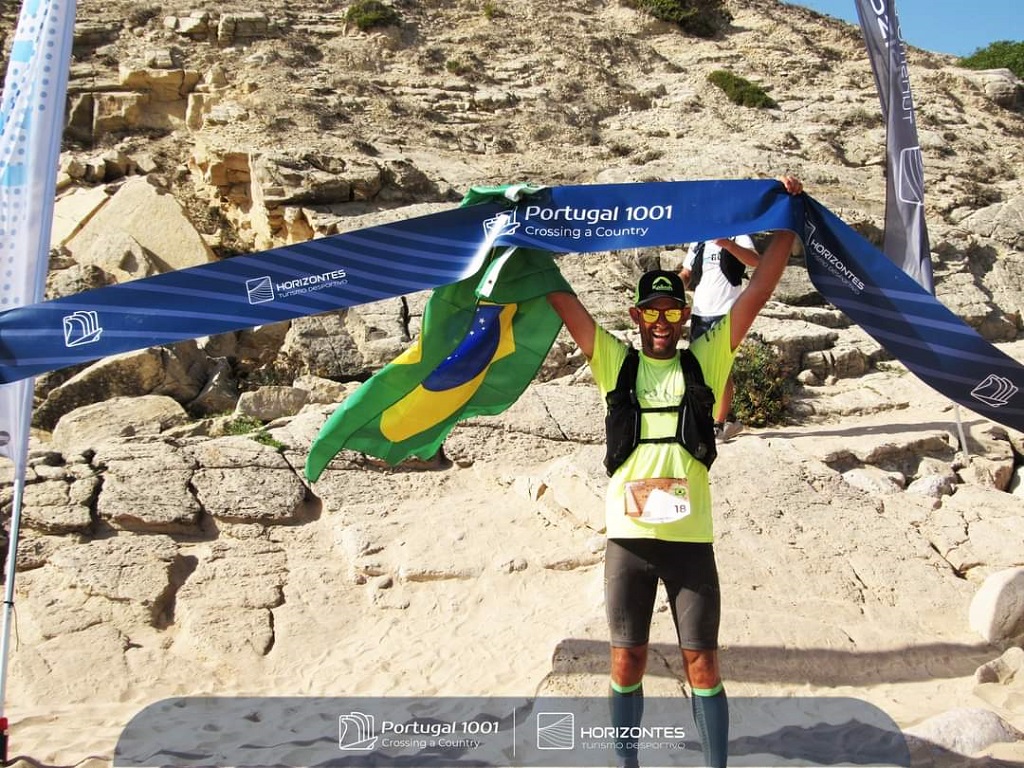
906 235
31 121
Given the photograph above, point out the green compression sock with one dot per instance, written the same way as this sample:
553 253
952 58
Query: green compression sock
627 705
711 714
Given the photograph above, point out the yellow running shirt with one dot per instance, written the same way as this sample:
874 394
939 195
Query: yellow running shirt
661 383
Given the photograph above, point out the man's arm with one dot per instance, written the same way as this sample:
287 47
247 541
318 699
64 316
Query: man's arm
687 271
748 256
685 274
578 321
766 276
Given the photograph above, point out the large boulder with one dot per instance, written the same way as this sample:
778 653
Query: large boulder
85 428
963 731
243 481
152 218
179 372
1000 85
997 610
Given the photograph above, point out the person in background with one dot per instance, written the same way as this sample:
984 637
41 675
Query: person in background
714 271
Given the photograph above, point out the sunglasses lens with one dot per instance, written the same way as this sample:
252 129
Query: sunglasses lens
652 315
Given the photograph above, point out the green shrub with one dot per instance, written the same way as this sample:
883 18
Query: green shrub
247 425
999 55
455 66
763 387
492 10
140 17
702 18
740 90
368 14
242 425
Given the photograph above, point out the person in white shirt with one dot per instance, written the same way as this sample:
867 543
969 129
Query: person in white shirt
714 271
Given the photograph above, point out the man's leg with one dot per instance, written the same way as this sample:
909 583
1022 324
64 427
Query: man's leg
630 590
710 705
627 697
726 425
697 608
725 406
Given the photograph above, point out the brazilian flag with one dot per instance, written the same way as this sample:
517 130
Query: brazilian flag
483 340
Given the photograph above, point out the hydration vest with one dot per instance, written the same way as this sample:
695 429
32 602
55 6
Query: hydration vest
695 428
733 269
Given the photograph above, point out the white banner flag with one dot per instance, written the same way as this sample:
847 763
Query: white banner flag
31 124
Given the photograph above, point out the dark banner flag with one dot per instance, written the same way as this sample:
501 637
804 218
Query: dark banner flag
906 235
376 263
914 327
394 259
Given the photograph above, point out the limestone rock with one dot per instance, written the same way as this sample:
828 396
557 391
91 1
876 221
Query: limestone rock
124 568
997 610
90 426
1000 221
153 219
73 210
225 606
269 403
147 487
874 480
219 394
240 480
321 390
61 505
323 345
962 731
75 279
1000 85
121 257
178 372
1004 669
971 529
577 484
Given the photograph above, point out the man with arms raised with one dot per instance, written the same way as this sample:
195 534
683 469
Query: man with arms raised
658 505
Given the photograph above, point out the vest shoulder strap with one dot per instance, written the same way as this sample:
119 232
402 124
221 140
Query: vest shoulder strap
697 268
691 368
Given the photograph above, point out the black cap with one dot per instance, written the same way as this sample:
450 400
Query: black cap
660 283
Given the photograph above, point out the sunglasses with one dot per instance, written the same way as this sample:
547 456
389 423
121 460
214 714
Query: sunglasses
651 315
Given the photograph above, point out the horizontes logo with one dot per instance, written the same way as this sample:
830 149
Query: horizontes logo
556 730
503 223
994 390
356 732
910 182
830 261
260 290
81 328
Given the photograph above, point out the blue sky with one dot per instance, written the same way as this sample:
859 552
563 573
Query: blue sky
946 26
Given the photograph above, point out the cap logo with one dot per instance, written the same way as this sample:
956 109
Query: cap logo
662 283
